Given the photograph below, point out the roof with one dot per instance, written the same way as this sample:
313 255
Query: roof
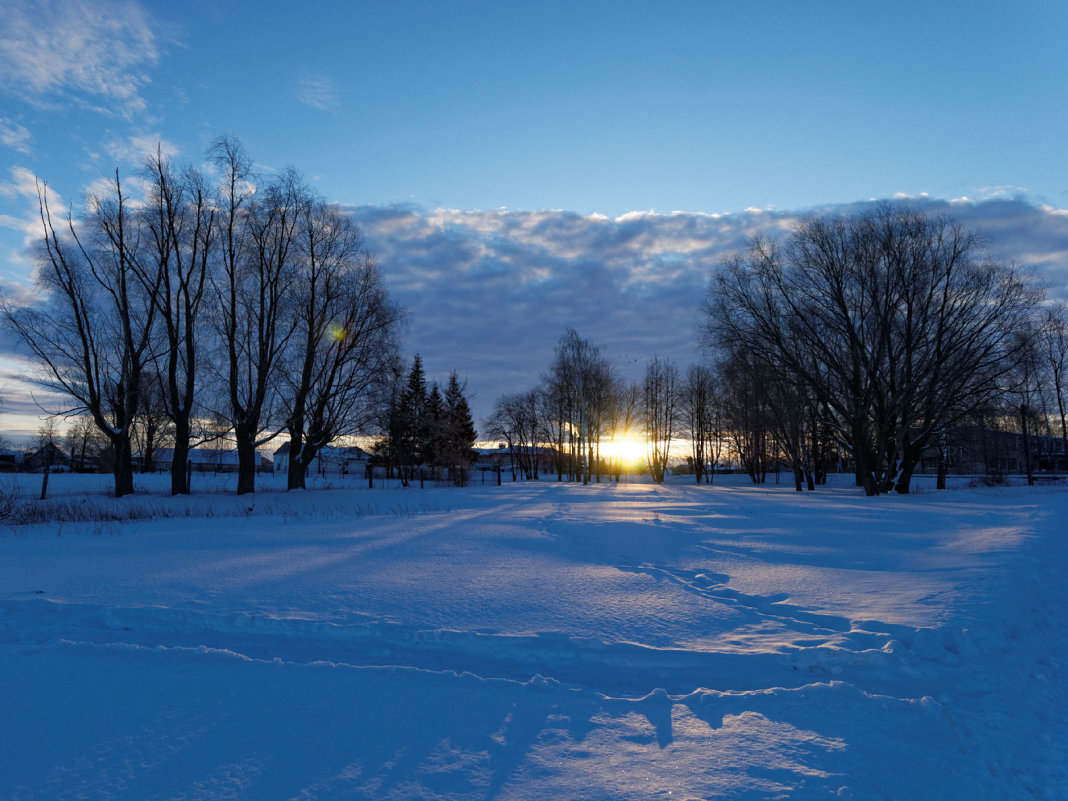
214 456
55 449
331 452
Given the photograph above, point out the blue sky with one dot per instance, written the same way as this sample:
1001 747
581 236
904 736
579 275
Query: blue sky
585 109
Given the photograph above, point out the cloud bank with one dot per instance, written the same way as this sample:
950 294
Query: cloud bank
489 293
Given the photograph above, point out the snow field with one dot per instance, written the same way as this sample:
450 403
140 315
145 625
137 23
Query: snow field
541 641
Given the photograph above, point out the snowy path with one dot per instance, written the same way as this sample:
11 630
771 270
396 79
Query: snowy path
545 641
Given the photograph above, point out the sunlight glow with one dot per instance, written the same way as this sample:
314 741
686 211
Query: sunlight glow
628 449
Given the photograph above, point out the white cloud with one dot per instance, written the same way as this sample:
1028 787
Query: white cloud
28 227
15 136
318 92
1003 192
94 52
24 184
23 187
136 148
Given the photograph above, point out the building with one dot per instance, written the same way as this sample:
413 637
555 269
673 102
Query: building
11 460
983 450
331 460
208 460
51 456
506 459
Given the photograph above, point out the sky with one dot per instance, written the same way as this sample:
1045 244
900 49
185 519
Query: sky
522 168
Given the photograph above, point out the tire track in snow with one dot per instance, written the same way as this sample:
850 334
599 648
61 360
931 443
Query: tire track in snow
613 669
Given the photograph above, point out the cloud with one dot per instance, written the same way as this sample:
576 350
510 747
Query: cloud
489 293
318 92
15 136
136 148
23 183
91 52
22 189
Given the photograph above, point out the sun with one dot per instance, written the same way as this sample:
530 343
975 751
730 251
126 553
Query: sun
627 449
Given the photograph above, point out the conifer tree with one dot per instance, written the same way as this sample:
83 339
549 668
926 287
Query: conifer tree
408 422
460 430
435 446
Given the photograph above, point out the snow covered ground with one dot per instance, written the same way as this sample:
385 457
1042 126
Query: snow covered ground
536 641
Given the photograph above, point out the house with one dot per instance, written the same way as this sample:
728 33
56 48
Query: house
51 456
331 460
973 449
11 460
205 460
504 458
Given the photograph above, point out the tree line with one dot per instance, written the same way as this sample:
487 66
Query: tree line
582 404
427 429
232 303
858 339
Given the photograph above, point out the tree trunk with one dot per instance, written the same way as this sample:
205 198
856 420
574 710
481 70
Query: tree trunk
246 460
295 473
862 457
904 476
123 467
1027 445
987 469
910 456
148 456
179 474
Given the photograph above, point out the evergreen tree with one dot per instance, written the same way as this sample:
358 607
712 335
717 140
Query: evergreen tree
460 432
435 445
427 428
409 422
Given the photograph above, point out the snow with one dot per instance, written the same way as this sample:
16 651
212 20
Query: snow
535 641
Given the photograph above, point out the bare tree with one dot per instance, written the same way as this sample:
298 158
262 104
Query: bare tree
345 342
1029 394
179 216
258 234
152 428
702 421
516 419
895 321
747 416
1054 344
624 420
45 445
84 442
660 405
554 408
92 336
579 387
790 407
